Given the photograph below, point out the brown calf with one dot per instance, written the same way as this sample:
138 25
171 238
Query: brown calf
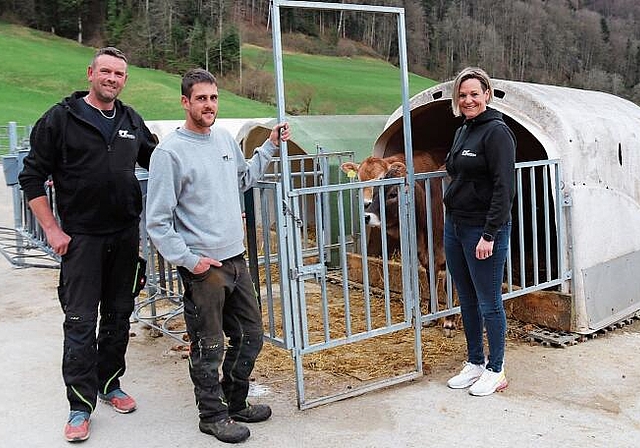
376 167
391 195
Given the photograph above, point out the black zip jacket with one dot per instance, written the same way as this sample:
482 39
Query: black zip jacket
481 165
96 189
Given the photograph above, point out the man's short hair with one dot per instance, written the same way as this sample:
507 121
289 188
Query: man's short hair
195 76
109 51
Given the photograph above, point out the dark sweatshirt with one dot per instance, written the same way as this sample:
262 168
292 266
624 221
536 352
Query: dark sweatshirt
96 189
481 165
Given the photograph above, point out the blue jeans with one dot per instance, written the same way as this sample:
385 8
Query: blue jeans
479 285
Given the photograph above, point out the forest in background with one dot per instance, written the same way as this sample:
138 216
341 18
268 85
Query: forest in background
592 44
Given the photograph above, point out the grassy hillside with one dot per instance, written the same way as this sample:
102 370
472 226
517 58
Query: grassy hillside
356 86
38 69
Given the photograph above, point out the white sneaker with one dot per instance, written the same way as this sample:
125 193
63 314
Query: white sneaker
467 376
489 383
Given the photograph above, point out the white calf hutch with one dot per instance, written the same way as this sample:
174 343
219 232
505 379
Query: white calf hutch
596 139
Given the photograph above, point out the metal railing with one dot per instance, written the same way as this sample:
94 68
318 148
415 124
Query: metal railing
13 136
161 302
534 260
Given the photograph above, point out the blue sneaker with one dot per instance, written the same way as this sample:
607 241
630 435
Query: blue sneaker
119 400
77 428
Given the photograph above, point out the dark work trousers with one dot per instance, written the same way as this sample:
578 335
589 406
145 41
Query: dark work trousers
219 302
97 270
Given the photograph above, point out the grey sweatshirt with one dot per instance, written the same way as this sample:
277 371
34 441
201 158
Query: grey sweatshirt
193 195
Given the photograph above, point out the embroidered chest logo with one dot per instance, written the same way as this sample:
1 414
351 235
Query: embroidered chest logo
468 153
124 133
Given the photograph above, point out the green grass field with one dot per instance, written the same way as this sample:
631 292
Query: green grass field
38 69
353 86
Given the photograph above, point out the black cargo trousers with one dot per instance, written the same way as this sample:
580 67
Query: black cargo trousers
97 271
219 302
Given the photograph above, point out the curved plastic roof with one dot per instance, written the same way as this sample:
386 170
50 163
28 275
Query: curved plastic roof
162 127
331 132
571 124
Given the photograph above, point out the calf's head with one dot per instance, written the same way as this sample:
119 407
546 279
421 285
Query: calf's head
369 169
391 194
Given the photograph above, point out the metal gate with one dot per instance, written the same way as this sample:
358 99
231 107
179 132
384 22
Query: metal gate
323 303
303 269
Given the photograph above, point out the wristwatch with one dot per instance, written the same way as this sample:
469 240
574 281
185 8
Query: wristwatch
487 236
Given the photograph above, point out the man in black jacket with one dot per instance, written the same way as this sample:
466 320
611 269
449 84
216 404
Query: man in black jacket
88 145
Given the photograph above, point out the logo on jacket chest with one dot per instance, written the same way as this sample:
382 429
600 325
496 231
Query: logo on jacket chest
124 133
468 153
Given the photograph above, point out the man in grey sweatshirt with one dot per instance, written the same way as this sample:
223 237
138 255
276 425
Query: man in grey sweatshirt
194 219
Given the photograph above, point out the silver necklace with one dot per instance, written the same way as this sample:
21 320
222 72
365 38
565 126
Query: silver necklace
100 110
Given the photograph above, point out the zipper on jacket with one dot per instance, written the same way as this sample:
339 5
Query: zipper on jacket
82 119
116 127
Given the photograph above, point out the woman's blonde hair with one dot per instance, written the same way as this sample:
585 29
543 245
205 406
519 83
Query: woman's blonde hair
470 73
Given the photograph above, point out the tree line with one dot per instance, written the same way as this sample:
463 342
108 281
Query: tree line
593 44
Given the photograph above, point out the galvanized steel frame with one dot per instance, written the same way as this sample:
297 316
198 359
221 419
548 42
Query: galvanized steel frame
25 245
551 173
293 241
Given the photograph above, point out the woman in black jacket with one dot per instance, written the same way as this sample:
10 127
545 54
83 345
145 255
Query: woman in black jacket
478 226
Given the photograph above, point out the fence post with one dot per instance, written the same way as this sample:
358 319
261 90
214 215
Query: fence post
13 137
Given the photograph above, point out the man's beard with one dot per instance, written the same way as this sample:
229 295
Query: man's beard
204 122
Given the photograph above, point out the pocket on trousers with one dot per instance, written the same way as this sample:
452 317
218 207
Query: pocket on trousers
502 237
196 278
140 278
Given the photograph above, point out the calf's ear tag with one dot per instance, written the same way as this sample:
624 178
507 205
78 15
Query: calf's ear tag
351 174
